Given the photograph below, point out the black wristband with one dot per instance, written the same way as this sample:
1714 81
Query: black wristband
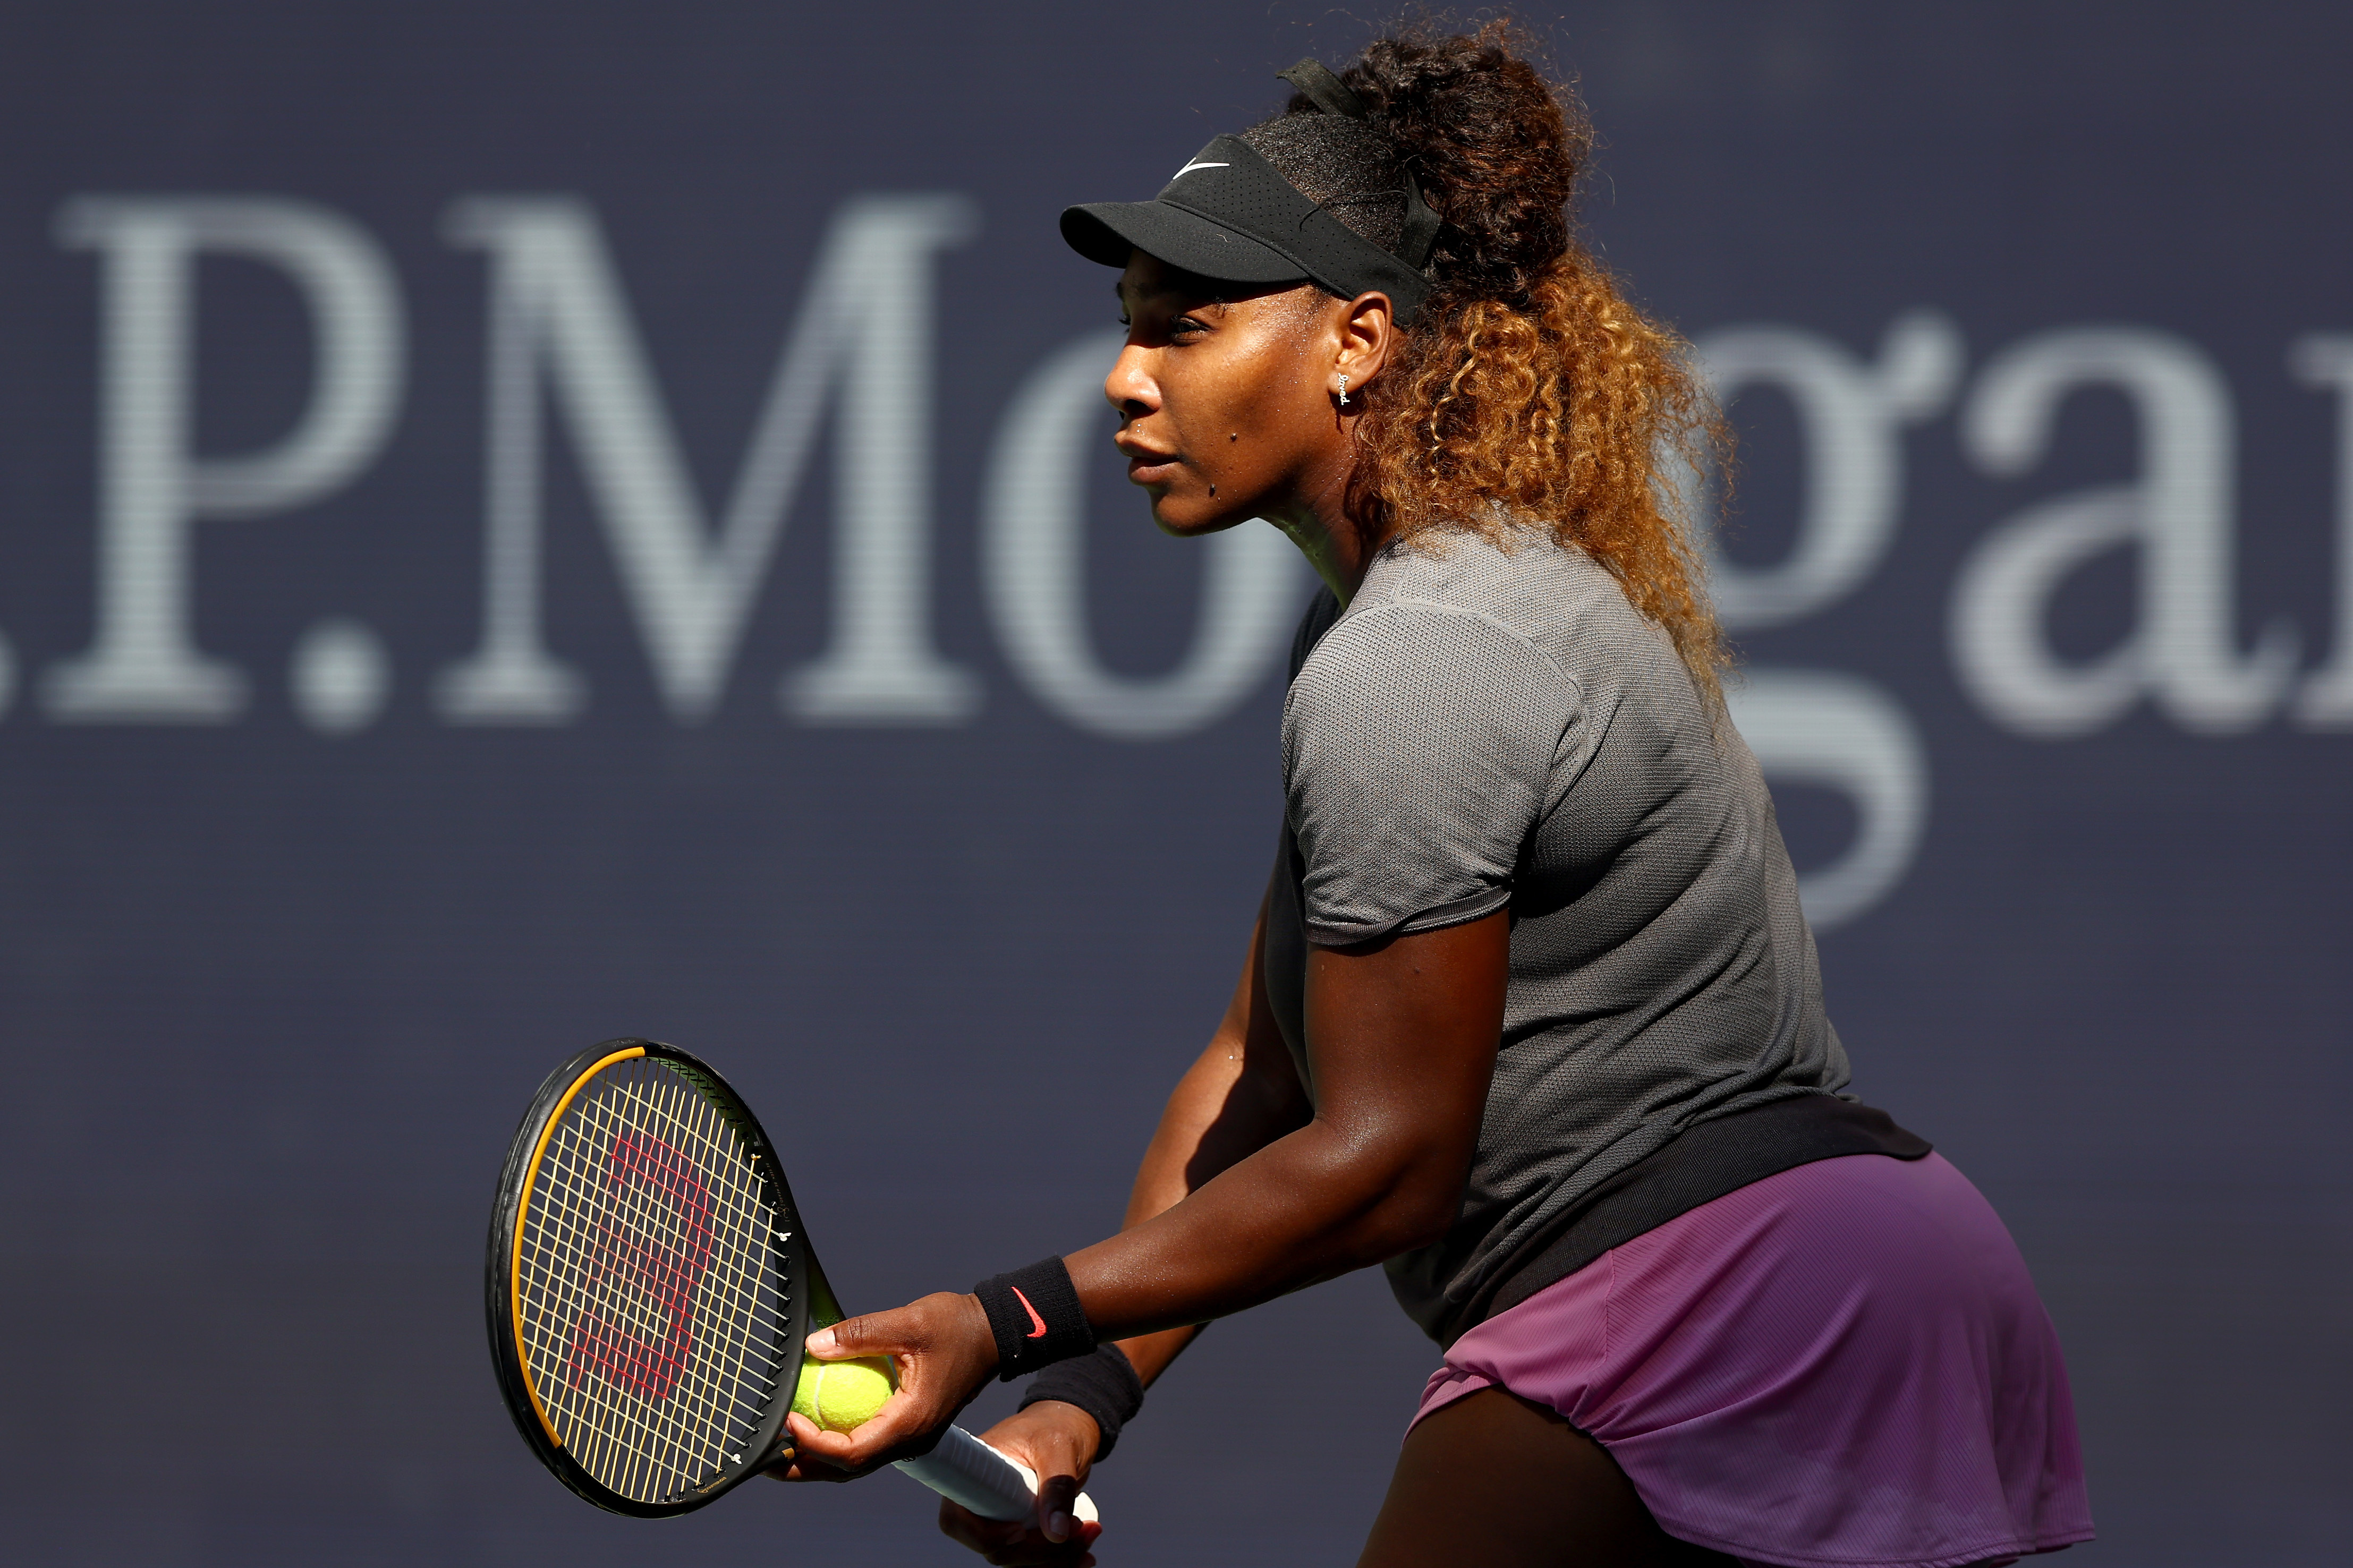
1035 1314
1103 1384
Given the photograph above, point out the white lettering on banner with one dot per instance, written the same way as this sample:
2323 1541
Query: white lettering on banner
558 312
2179 513
1841 733
1835 731
341 677
144 665
1033 564
2325 360
1851 416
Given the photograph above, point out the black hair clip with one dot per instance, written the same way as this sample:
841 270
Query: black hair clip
1321 89
1329 93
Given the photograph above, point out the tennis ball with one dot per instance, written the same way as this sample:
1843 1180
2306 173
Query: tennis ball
840 1394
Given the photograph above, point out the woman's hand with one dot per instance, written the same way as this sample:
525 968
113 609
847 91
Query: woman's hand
1058 1442
944 1351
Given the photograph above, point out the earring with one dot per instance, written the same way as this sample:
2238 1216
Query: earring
1344 392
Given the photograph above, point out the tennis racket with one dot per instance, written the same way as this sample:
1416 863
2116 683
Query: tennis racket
649 1287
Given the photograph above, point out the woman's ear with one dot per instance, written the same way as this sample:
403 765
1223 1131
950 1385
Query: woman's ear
1367 328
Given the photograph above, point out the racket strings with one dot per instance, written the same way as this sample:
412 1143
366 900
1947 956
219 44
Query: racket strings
655 1429
653 1313
596 1417
692 1427
604 1361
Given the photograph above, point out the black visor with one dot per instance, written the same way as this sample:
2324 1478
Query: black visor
1230 216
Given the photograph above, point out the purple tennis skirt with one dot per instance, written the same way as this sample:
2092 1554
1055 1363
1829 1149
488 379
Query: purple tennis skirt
1842 1365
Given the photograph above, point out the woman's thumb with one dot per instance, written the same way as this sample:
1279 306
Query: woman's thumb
1055 1498
849 1337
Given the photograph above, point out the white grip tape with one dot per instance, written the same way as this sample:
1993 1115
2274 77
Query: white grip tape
964 1469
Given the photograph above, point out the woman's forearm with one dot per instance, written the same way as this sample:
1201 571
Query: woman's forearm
1405 1038
1240 1095
1242 1196
1305 1209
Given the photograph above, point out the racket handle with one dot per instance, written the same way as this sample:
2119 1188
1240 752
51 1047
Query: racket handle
964 1469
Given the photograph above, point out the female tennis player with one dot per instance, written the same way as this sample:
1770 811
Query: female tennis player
1530 1016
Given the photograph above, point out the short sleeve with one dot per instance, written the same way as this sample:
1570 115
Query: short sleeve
1418 746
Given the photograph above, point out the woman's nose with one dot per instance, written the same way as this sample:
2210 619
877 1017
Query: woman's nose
1129 387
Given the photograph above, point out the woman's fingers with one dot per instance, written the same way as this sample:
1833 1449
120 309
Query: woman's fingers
985 1536
874 1333
1015 1544
799 1464
1057 1441
1056 1494
944 1351
907 1425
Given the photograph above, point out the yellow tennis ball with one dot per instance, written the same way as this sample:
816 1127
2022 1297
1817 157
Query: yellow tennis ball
840 1394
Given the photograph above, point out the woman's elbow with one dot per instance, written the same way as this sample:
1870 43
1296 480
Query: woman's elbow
1416 1210
1387 1190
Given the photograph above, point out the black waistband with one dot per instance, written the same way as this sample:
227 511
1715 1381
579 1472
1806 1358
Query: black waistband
1704 1162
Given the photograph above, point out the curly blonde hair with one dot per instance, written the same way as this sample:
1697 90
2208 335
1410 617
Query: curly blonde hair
1529 386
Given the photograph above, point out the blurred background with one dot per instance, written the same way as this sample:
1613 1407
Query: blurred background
527 523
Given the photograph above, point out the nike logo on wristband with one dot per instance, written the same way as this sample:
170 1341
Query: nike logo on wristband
1040 1331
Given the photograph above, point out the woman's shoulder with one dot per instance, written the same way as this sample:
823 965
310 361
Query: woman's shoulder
1447 638
1520 579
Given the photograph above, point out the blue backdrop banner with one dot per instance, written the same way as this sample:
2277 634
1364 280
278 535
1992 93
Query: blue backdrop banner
525 522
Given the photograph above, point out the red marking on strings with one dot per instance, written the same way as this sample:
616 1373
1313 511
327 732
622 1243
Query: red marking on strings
656 1266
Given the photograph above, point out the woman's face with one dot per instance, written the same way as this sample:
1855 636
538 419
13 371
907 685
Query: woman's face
1225 406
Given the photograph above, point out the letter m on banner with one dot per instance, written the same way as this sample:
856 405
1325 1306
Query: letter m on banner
561 334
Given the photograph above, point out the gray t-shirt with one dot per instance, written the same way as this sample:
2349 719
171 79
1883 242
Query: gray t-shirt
1480 731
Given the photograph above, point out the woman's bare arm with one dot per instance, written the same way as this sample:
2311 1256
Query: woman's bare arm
1240 1095
1402 1038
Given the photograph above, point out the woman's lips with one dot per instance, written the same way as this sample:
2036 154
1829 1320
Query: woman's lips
1151 468
1146 464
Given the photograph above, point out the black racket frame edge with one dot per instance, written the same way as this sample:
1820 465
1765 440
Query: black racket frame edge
808 1300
